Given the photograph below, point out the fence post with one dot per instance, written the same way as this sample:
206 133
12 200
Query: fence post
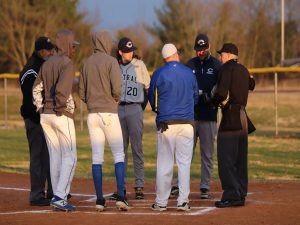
5 102
276 102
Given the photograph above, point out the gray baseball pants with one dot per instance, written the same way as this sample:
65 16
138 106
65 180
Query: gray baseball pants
206 132
131 119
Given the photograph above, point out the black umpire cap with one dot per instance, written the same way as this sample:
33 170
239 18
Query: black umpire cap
229 48
201 42
43 43
126 45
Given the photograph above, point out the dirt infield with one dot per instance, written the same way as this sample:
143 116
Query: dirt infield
267 203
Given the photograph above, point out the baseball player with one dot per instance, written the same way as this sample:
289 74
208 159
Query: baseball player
52 94
173 93
136 81
100 88
39 156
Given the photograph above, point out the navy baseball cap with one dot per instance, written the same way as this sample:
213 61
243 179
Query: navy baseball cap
229 48
126 45
201 42
43 43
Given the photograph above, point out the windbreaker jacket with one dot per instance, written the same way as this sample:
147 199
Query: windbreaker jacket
26 80
52 89
100 80
206 72
234 83
173 92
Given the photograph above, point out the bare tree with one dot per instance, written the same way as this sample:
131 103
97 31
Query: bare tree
22 21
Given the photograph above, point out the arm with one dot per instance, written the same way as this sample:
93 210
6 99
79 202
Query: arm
152 96
223 85
82 85
37 89
115 81
196 91
146 80
64 86
251 83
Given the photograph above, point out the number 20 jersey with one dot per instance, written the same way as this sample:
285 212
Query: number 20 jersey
135 78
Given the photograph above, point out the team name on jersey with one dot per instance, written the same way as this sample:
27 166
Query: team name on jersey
129 78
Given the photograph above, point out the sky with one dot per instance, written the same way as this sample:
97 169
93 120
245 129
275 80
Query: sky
115 14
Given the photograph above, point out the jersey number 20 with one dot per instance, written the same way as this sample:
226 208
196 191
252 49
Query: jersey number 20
132 91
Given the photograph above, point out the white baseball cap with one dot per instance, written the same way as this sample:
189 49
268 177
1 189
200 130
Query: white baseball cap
168 50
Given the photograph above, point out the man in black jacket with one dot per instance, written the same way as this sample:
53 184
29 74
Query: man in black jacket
39 156
205 68
231 94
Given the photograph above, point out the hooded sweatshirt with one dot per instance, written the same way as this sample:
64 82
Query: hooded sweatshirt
100 80
52 90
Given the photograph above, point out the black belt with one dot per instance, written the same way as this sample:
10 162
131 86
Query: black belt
127 103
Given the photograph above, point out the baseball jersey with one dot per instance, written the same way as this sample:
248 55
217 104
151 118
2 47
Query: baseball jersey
135 78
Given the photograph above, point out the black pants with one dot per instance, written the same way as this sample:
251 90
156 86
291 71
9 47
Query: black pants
233 161
39 161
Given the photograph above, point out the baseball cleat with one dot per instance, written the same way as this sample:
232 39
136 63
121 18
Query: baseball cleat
204 193
156 207
184 207
100 205
122 204
139 193
174 192
61 204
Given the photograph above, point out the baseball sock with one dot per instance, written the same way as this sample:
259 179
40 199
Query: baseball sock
119 172
97 177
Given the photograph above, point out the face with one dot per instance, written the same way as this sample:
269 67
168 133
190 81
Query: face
45 54
72 51
126 56
224 57
202 54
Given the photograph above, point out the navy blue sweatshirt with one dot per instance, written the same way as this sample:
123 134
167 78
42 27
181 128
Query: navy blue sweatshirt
206 72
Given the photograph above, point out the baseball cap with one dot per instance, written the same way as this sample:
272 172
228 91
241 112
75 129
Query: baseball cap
43 43
229 48
168 50
126 45
201 42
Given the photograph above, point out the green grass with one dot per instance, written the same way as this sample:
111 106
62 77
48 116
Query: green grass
270 157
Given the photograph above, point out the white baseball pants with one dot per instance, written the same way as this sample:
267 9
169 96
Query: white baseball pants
61 141
177 140
107 125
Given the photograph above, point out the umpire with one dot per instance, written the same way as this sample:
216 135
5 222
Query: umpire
39 156
233 85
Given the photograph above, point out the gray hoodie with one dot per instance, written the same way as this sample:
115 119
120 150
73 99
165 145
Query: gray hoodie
52 89
100 80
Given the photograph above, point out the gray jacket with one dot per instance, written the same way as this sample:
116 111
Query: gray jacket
100 80
52 89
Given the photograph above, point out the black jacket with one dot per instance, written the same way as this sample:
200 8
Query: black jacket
234 83
26 79
206 72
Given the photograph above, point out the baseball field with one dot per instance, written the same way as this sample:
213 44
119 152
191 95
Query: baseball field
274 173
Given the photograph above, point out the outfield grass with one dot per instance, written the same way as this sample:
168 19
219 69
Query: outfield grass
270 157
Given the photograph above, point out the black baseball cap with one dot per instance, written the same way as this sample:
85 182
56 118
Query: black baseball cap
201 42
43 43
126 45
229 48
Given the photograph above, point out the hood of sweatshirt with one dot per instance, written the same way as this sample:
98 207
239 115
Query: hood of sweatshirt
64 40
102 42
